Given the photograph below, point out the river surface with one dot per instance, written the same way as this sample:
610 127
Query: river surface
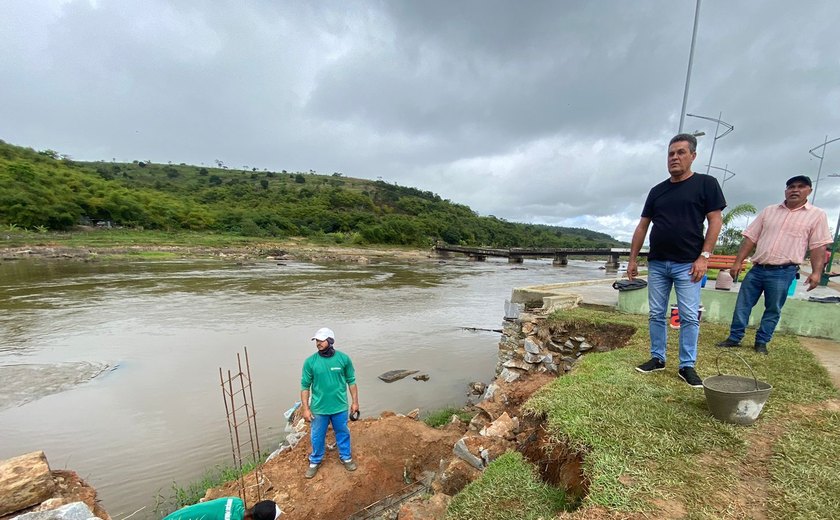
167 327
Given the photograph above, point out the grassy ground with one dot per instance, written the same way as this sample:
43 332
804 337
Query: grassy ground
441 417
192 492
153 245
806 464
509 489
653 450
126 237
712 274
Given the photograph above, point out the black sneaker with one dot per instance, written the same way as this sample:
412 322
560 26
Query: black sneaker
688 375
728 343
654 365
761 348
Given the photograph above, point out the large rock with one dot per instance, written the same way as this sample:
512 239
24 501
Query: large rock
74 511
504 427
25 481
533 358
455 477
463 452
479 421
554 347
509 375
531 346
431 509
479 451
477 387
396 375
490 392
515 363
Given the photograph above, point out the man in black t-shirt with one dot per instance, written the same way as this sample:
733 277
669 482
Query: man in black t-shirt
679 252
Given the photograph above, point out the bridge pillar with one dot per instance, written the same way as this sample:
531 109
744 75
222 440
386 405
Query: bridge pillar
560 260
515 259
613 261
476 258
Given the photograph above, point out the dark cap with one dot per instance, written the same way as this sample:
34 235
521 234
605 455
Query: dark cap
799 178
266 510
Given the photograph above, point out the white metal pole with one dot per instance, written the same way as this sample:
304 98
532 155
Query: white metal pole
690 61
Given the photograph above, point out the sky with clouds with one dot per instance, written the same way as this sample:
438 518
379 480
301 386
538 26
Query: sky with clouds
541 111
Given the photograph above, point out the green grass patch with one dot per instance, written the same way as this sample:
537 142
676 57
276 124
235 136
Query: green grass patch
648 436
438 418
192 492
805 468
105 238
510 488
712 274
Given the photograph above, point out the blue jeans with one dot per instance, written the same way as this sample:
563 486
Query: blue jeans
661 276
318 434
774 284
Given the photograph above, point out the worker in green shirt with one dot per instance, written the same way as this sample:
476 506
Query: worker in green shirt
327 374
227 508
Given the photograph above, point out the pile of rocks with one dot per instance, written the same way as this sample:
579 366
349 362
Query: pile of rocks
295 430
529 344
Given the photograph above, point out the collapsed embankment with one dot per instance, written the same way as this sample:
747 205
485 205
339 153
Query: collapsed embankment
407 469
399 455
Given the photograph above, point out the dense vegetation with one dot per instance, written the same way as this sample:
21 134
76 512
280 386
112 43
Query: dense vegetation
46 191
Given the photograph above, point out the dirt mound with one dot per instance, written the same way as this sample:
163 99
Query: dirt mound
389 451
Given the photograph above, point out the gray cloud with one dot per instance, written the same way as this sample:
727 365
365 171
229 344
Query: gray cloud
543 112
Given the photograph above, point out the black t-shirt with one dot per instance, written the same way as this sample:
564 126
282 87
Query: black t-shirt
678 210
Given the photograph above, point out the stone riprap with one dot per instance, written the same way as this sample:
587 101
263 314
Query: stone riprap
528 344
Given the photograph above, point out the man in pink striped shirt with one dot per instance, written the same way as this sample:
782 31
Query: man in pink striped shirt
780 235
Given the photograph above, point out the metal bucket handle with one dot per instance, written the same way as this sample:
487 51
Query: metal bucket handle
717 364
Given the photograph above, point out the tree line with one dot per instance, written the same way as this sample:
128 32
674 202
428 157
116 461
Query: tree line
47 190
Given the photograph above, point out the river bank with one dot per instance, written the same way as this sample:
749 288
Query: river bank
593 417
168 326
280 251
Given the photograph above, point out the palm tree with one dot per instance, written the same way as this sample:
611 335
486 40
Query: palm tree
730 237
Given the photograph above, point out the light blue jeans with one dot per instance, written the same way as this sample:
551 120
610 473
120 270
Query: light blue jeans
661 276
318 434
774 284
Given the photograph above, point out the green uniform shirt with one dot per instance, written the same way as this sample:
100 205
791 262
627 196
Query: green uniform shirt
327 379
229 508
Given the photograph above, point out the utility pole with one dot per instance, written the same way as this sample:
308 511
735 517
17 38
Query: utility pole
690 62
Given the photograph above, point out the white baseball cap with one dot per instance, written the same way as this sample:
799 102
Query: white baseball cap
324 333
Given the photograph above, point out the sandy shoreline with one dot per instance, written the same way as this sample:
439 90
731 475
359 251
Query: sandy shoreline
269 251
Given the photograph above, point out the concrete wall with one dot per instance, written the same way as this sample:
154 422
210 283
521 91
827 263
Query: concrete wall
820 320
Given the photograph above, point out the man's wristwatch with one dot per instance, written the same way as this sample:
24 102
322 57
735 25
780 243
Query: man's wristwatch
705 254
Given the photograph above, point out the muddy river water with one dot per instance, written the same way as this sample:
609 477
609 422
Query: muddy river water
156 333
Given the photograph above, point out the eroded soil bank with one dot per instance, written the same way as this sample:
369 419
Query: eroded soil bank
395 451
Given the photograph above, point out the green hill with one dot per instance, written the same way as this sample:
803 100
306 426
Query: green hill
44 190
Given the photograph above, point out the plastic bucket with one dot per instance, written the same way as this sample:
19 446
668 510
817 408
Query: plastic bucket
735 399
674 315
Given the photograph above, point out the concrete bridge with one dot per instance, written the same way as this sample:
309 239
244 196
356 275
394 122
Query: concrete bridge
516 255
